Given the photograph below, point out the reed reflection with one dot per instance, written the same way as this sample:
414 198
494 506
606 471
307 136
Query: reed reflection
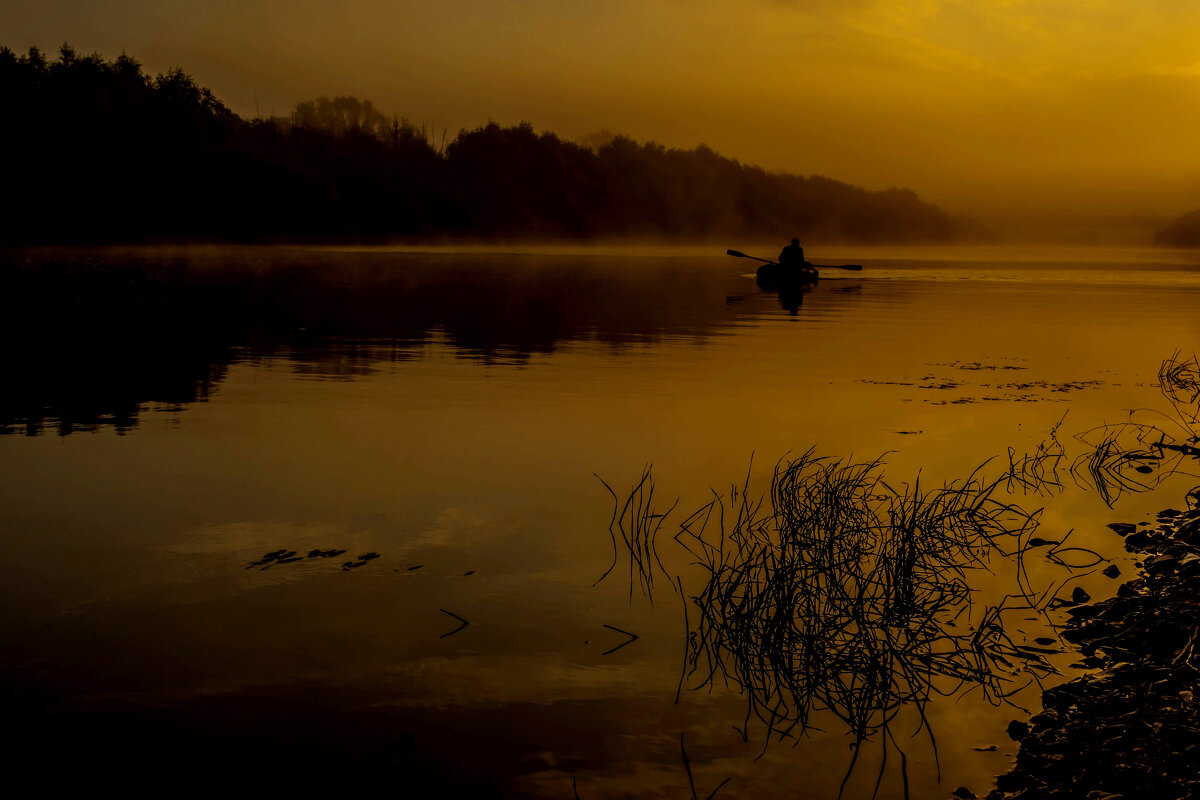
1128 457
839 593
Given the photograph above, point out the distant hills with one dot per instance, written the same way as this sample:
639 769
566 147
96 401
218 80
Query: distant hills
1183 232
98 151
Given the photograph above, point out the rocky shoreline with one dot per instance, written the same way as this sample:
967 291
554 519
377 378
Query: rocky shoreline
1131 730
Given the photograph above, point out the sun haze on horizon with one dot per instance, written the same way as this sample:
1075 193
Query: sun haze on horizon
984 106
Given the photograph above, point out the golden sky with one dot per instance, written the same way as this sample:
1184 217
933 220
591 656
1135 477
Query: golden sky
985 106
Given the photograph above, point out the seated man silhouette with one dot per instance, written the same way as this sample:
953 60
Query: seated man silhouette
791 258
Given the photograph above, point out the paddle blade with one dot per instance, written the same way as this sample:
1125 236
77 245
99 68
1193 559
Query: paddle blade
735 253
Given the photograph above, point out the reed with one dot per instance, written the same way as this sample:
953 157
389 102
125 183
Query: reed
1131 456
1179 379
838 593
841 595
1038 472
637 523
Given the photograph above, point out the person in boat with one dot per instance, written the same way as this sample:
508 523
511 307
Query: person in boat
792 263
792 256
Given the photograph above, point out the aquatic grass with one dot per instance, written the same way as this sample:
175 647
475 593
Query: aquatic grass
687 766
633 637
638 524
1120 458
1038 472
1179 379
1133 456
841 594
838 593
462 623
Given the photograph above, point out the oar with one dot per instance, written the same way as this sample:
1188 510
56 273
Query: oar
855 267
737 254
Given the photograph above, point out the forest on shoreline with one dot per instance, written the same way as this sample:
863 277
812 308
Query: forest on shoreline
1183 232
98 151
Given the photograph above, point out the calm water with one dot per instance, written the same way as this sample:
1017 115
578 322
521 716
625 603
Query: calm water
170 416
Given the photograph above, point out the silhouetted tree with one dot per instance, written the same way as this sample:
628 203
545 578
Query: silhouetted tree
97 150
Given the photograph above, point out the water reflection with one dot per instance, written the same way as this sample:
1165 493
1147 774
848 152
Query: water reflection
1128 457
93 340
791 296
470 473
840 593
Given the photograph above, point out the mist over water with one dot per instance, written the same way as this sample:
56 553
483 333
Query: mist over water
440 416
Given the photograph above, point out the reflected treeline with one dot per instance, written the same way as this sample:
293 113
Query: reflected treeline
105 153
839 593
87 345
91 339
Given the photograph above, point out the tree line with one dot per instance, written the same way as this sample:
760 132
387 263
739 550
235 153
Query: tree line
100 151
1183 232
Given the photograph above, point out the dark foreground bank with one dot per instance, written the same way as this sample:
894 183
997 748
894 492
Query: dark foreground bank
1131 730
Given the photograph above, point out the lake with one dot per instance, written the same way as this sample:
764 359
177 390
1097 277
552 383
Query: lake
432 433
